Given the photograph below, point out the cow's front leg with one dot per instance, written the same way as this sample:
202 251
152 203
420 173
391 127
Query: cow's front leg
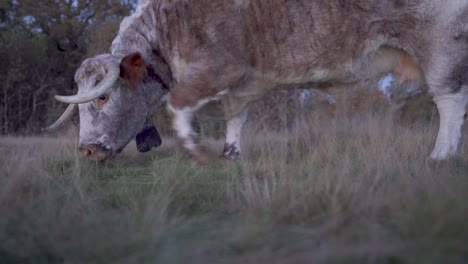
188 138
451 111
232 147
183 104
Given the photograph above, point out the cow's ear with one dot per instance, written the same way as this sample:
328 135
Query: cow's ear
133 69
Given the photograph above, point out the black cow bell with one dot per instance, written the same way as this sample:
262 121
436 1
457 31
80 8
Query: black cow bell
148 138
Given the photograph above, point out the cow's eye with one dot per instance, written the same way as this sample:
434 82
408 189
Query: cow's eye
101 100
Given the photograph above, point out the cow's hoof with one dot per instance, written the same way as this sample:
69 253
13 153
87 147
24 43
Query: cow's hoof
201 157
230 156
230 152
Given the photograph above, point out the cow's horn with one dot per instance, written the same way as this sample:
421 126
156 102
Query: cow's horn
103 87
67 115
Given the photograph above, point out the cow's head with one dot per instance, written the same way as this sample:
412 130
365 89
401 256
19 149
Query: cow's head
115 97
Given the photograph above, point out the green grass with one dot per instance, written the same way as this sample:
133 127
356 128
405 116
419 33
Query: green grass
345 190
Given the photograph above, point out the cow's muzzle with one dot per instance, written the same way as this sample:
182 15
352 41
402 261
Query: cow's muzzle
95 152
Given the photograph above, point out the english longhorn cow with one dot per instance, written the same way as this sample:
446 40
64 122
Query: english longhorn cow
238 50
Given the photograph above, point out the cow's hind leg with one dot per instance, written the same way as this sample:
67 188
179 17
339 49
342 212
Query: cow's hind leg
451 111
447 77
232 147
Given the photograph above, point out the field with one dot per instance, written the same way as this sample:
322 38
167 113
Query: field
342 190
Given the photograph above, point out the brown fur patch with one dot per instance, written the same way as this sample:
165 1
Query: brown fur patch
133 69
408 70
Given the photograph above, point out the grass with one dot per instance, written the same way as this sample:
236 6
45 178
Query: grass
343 190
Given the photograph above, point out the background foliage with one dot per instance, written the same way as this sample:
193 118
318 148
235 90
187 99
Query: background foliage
41 45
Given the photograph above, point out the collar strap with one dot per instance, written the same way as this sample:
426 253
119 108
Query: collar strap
158 78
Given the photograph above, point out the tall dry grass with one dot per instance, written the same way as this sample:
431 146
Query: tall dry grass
322 190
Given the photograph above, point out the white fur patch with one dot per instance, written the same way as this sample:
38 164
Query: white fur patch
183 70
234 128
182 121
87 130
145 10
451 111
140 26
448 10
178 66
182 124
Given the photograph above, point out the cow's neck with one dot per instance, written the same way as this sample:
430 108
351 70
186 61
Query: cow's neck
137 33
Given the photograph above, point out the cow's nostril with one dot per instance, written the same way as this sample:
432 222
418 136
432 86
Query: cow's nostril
87 151
95 152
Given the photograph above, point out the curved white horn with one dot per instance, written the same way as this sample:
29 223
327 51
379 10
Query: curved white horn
113 72
67 115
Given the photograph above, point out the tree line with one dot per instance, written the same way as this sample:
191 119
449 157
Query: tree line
42 43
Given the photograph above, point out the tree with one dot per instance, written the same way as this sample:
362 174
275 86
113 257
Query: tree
41 46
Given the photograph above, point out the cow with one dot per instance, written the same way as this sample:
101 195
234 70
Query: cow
238 50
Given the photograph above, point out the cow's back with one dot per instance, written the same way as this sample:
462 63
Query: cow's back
290 40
